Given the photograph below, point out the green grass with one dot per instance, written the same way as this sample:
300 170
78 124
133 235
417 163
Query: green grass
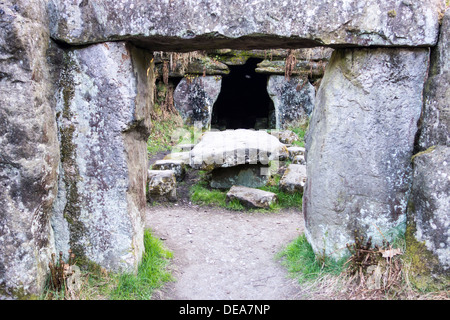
98 284
300 132
160 138
151 274
201 194
301 261
285 200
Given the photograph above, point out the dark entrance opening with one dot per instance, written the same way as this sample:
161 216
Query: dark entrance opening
243 102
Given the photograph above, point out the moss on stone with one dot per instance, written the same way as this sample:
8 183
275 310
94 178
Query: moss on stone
429 150
421 262
18 293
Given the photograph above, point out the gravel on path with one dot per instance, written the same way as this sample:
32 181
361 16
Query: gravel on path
221 254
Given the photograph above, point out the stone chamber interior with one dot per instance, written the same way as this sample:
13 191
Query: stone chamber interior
243 102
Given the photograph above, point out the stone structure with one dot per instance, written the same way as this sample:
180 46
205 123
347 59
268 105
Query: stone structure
194 99
224 149
428 232
102 105
359 146
293 100
74 117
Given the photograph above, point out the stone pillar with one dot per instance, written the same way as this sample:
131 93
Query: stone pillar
293 100
428 234
194 99
29 150
103 114
359 146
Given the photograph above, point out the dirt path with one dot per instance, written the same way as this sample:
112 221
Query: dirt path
221 254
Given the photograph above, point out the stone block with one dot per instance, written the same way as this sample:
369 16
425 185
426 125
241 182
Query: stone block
177 166
294 178
252 198
162 185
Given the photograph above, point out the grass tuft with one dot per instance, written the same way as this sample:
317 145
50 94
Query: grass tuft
151 274
301 261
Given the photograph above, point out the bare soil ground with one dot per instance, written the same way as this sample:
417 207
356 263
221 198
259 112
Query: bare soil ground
221 254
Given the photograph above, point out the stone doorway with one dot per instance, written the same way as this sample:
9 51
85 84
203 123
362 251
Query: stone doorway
243 102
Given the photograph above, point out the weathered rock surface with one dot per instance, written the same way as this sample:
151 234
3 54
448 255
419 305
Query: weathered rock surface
221 149
302 68
293 100
239 24
194 99
295 151
183 156
436 114
359 146
293 179
429 215
162 185
196 66
29 149
299 159
251 198
177 166
103 111
428 211
286 136
247 175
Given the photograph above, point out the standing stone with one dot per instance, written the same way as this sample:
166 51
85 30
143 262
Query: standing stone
435 122
29 150
293 100
194 99
428 236
428 229
359 146
103 105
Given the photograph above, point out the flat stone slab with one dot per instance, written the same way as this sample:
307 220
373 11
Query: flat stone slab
161 185
183 156
227 23
250 197
177 166
185 147
222 149
294 178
